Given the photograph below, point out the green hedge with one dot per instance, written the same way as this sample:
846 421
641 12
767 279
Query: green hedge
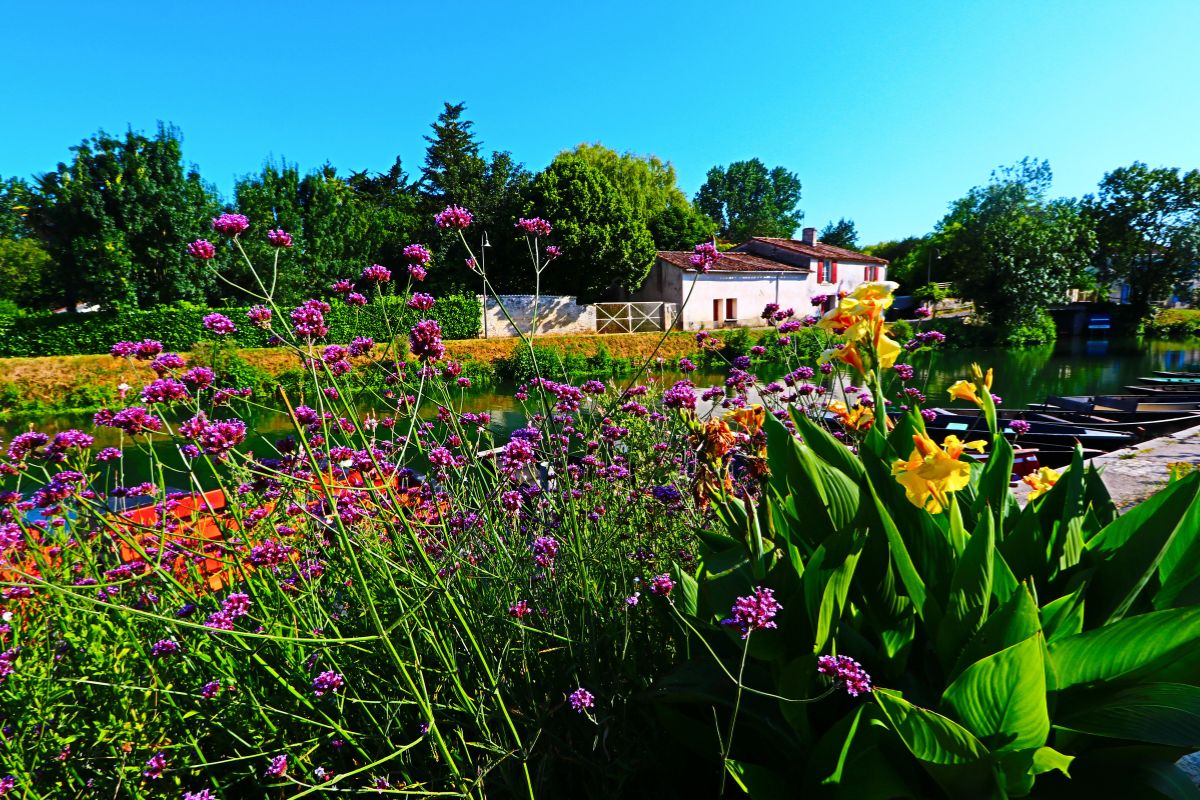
181 327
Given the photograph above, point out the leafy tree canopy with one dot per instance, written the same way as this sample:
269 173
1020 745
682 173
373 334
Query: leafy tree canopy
840 234
14 208
117 218
27 275
746 199
1147 230
649 185
1010 248
604 242
456 173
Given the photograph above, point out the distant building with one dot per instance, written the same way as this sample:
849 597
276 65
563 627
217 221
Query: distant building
764 270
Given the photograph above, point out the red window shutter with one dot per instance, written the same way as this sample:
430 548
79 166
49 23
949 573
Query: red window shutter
820 272
866 273
834 278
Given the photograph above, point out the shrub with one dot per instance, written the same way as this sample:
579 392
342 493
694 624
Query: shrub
1173 323
179 327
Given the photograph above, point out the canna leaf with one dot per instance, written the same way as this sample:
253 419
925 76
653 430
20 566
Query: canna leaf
1002 698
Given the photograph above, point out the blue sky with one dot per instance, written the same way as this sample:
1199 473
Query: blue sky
887 110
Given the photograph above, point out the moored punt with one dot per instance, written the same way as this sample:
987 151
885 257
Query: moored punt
1137 422
1104 403
1046 434
1174 381
1167 374
1177 392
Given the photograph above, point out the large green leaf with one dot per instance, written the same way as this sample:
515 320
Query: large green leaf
928 735
1002 698
1130 551
992 489
1012 622
1155 646
826 582
1063 617
926 607
948 751
1161 713
970 592
827 447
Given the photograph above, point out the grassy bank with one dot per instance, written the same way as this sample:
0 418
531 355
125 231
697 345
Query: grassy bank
88 382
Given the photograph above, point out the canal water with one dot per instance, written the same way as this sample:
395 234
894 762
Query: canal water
1022 376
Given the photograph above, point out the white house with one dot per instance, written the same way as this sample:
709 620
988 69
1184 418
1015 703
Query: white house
789 272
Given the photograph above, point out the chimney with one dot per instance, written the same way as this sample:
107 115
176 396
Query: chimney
809 236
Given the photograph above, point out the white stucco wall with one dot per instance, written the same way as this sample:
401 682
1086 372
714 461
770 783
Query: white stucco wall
752 290
556 314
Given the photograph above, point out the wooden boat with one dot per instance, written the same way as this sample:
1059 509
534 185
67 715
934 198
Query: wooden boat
1145 423
1168 374
1176 391
1170 381
1040 433
1102 404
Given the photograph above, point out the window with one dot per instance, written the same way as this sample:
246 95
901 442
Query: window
731 310
866 273
821 271
716 310
833 272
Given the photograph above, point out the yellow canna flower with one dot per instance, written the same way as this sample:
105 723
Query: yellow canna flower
931 473
964 390
1041 481
870 299
954 446
886 348
981 378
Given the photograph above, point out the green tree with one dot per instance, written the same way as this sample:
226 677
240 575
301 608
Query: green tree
27 273
902 259
117 219
14 209
1147 230
746 199
604 242
840 234
1010 248
650 186
456 173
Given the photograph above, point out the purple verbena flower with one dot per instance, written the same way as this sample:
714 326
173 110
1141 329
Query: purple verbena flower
846 671
219 324
202 250
278 237
534 227
754 612
581 699
230 224
455 217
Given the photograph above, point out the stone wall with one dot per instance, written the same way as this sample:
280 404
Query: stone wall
556 314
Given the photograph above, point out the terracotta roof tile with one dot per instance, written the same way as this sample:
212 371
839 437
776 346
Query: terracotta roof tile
729 262
820 250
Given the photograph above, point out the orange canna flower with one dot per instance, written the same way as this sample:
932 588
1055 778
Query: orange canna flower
717 439
750 419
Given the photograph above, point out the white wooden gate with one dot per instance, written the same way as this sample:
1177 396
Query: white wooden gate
632 317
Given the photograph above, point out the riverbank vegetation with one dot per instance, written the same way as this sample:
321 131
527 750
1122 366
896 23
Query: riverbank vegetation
653 586
53 384
1174 323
